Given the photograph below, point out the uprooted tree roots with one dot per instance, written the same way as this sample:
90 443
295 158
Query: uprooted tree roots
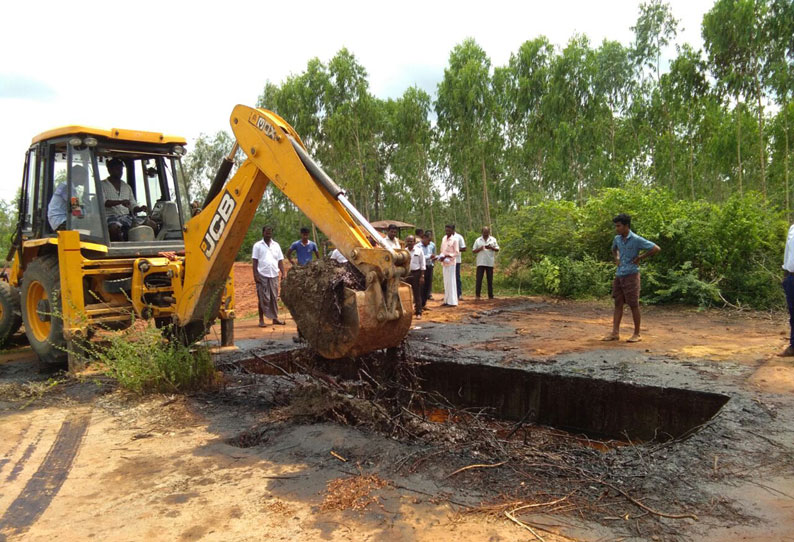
526 469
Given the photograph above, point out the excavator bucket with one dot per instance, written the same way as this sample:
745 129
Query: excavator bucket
339 321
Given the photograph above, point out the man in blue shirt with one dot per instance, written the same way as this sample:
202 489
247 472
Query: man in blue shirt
303 248
626 247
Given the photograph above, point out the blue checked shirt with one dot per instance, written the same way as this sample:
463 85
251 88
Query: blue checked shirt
629 249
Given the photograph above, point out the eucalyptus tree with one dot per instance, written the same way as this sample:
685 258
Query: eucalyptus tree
780 76
684 89
519 89
467 127
734 36
654 30
613 82
352 129
571 107
409 135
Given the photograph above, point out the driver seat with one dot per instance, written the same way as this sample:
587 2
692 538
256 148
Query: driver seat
169 215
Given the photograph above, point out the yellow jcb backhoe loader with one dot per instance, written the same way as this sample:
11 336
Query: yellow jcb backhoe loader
69 277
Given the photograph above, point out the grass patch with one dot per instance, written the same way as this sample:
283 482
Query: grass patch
144 361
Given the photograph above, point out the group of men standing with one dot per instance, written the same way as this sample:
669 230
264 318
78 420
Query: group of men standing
424 258
268 265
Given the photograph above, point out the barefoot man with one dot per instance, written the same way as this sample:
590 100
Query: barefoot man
626 247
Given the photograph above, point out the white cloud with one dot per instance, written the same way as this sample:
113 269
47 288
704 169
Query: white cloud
180 67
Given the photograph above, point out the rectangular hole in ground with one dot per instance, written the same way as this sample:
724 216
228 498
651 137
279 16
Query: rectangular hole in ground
600 409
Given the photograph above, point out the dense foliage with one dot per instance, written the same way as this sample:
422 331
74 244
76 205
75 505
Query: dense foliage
711 252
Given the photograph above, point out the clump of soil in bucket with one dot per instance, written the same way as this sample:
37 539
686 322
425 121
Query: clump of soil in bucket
315 295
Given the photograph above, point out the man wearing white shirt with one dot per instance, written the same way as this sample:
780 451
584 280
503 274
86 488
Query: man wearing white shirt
268 266
416 278
788 287
449 251
391 240
458 260
337 256
485 247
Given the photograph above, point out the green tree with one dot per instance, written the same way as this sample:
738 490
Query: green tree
467 126
572 108
409 135
613 82
655 29
684 88
780 75
734 36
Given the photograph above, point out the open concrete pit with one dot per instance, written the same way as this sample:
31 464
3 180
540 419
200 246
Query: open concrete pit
599 409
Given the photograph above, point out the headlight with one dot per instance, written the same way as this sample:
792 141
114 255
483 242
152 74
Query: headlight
179 150
75 142
90 142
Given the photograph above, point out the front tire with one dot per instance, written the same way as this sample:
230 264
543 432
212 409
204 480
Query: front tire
41 312
10 312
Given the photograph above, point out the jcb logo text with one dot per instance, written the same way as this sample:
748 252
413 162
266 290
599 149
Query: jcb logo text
218 224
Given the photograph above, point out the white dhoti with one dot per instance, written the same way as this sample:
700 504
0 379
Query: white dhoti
450 285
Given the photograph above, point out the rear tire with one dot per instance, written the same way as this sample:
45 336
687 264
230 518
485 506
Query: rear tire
10 312
41 312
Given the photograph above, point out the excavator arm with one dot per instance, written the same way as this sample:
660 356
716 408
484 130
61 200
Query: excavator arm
375 318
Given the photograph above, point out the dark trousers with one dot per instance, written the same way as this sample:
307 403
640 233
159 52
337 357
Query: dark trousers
413 280
428 287
788 287
488 271
457 280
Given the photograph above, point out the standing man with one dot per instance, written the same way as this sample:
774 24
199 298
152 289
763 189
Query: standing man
416 278
788 287
448 258
305 249
391 239
626 247
268 267
485 247
458 260
429 250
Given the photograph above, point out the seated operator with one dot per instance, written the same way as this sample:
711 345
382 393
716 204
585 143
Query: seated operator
60 204
120 202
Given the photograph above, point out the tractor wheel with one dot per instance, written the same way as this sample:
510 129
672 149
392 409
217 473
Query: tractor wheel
41 312
10 312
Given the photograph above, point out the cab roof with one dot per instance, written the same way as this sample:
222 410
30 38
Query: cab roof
113 134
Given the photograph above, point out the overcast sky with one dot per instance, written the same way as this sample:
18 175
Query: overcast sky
180 67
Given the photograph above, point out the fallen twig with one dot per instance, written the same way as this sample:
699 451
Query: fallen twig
646 508
339 457
539 504
476 466
524 525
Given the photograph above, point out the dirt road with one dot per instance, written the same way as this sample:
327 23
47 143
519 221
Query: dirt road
81 459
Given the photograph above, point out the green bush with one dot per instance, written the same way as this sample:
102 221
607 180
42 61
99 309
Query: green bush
144 361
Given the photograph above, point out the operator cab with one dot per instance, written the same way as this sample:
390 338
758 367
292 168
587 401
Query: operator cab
122 189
